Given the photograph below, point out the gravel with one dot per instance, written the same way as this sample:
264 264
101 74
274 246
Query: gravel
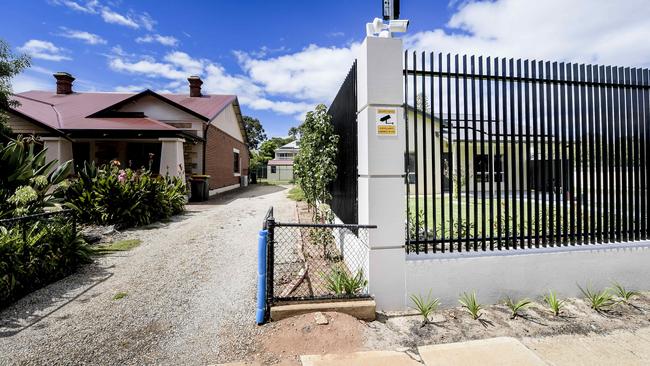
190 294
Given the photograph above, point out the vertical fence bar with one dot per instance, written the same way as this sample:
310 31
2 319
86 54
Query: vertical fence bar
459 177
521 158
482 132
563 237
645 136
592 155
571 163
490 151
611 189
513 152
604 213
434 193
424 153
617 141
466 123
474 155
506 154
415 153
498 153
635 141
585 154
598 156
628 201
536 163
407 154
442 160
544 105
451 158
526 161
553 154
579 157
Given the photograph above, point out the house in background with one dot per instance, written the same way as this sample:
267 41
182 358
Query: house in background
170 134
281 167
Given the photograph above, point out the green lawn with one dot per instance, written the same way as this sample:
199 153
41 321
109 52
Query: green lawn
492 212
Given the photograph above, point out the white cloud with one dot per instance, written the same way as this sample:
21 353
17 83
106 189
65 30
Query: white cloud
89 7
24 82
89 38
593 31
312 74
130 88
43 50
185 62
147 21
147 68
113 17
163 40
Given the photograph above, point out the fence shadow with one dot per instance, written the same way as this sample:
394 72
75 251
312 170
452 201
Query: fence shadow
41 304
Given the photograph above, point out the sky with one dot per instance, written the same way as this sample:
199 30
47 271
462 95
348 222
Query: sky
282 58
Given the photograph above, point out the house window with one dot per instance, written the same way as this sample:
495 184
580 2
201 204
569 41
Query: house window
236 162
273 169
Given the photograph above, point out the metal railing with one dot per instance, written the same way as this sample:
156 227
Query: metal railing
511 154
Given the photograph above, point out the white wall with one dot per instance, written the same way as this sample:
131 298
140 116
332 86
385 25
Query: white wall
23 126
528 273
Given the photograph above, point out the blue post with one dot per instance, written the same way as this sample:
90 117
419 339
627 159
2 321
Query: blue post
261 276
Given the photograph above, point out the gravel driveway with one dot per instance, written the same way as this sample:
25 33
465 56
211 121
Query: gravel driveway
190 291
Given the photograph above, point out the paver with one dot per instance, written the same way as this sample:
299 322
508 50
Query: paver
502 351
375 358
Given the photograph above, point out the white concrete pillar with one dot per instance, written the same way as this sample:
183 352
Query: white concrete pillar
381 167
58 148
172 162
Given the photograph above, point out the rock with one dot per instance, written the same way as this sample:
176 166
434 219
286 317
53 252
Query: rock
320 318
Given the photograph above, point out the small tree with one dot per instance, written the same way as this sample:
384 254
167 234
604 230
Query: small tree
315 164
254 132
10 66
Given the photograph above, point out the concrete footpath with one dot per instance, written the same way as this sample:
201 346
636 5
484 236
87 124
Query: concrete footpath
617 348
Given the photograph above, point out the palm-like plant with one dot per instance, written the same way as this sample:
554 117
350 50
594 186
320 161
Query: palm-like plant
516 306
624 294
554 303
471 304
425 306
598 300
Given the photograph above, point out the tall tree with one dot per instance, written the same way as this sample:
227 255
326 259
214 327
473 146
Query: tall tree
294 132
254 132
10 66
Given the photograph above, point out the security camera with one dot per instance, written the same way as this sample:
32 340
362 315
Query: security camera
398 25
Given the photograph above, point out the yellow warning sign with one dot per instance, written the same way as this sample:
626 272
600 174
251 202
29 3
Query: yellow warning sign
386 121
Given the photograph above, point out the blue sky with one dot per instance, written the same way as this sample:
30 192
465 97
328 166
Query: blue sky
283 57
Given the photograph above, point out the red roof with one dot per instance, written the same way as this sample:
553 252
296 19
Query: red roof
72 111
280 162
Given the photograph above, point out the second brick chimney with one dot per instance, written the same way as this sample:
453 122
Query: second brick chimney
195 86
63 82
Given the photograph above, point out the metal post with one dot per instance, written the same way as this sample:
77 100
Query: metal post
270 259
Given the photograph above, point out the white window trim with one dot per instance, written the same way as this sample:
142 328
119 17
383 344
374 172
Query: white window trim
239 163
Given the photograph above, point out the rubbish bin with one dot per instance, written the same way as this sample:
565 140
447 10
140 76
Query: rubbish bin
253 178
200 186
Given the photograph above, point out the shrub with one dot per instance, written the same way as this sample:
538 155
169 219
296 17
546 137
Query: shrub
598 300
554 304
36 254
340 282
624 294
471 304
516 306
124 198
425 306
27 181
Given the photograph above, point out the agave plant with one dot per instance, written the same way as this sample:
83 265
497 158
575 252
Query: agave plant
598 300
339 281
425 306
516 306
27 180
471 304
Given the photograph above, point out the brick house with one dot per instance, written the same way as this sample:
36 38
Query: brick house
175 134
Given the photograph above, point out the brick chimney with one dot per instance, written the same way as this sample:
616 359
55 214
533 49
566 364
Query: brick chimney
63 82
195 85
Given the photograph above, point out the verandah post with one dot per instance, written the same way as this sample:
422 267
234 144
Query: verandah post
381 141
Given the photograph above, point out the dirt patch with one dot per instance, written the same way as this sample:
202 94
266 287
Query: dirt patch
456 325
284 341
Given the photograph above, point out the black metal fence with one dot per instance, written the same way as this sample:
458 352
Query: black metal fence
344 189
316 261
512 154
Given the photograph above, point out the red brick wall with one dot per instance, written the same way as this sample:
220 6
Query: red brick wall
219 158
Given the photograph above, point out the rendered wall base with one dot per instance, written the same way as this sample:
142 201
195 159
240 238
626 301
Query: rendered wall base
528 273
